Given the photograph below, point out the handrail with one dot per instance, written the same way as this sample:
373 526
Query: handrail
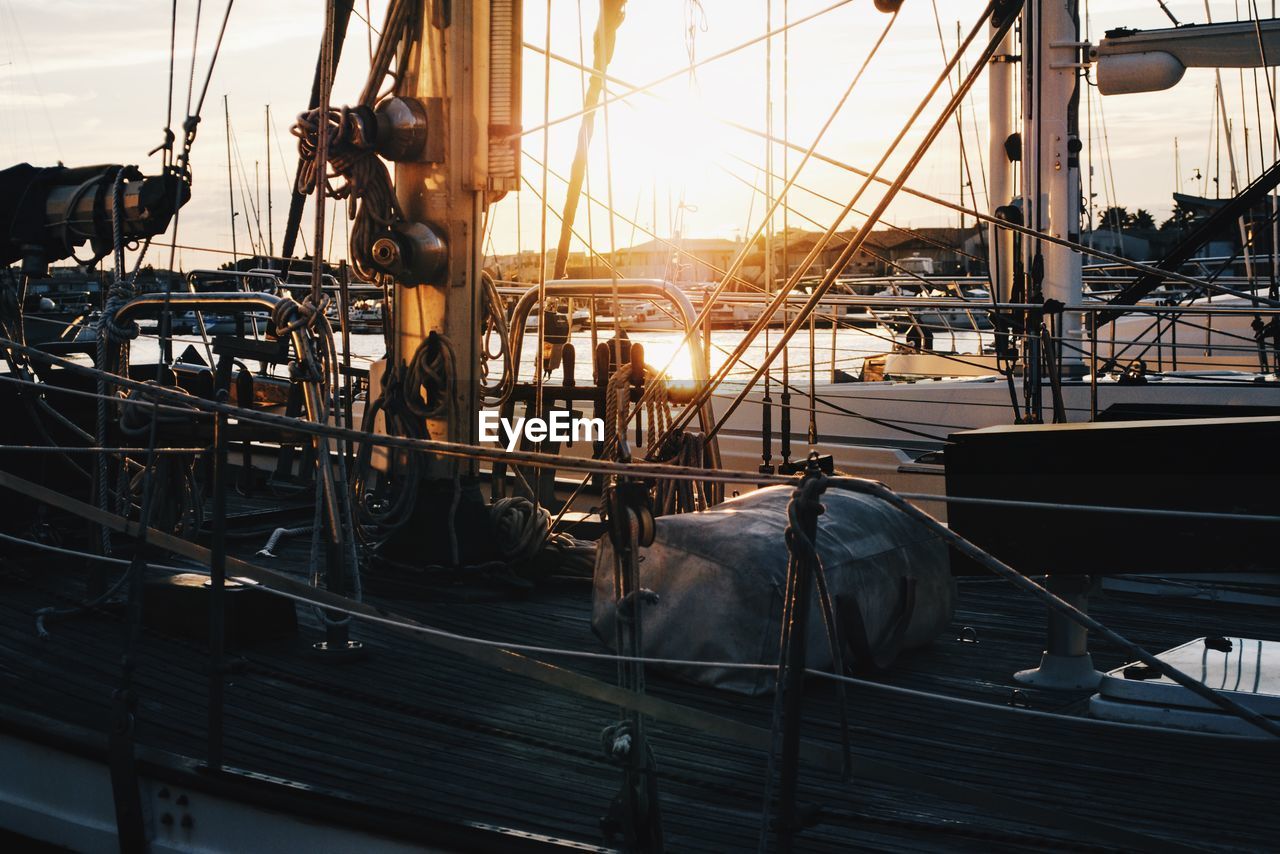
235 274
956 303
229 302
631 288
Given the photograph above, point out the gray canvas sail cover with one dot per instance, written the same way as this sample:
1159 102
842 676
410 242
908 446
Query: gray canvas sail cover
720 576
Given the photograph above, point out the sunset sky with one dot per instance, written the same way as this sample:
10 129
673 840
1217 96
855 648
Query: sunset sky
85 81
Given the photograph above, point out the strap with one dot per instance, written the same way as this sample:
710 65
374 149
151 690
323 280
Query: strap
862 656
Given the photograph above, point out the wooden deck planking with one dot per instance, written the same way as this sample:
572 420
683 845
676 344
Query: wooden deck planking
412 728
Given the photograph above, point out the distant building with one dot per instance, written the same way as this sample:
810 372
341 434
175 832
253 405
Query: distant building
950 251
1117 243
680 259
953 251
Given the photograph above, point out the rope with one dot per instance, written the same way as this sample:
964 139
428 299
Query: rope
372 205
521 528
684 496
586 655
366 184
617 414
431 370
657 407
136 420
495 324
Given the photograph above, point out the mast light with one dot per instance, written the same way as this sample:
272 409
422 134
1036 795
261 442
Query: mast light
1151 60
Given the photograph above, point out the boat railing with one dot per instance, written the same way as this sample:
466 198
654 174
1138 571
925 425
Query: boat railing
272 281
657 290
598 289
1220 332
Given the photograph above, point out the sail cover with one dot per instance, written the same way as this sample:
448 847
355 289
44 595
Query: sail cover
719 576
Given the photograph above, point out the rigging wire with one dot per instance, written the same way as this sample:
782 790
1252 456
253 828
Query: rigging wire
900 425
1168 14
860 238
914 233
743 282
673 75
741 255
167 146
1026 231
962 151
978 214
982 216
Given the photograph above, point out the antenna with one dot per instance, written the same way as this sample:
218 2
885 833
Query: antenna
271 233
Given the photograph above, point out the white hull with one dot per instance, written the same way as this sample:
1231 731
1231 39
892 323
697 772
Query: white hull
63 799
912 418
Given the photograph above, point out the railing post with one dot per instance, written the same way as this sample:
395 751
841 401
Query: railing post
217 589
1093 366
1031 343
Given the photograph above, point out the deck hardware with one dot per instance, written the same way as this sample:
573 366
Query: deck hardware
968 634
1218 643
627 605
1140 672
413 252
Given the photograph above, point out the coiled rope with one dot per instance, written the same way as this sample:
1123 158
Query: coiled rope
365 183
495 326
113 337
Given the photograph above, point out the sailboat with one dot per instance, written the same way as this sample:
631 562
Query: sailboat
266 600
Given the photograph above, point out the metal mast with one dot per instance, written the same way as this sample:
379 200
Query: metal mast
1051 160
1000 119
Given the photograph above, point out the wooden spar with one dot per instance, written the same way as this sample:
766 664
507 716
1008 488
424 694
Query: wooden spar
271 232
611 16
449 61
231 193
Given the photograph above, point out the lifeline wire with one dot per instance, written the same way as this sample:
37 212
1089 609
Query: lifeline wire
553 461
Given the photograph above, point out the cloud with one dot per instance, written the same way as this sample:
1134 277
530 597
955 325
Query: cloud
28 99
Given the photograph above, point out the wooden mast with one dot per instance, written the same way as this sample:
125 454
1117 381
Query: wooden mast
448 62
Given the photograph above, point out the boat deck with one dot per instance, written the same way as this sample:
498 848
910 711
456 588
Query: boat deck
414 731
